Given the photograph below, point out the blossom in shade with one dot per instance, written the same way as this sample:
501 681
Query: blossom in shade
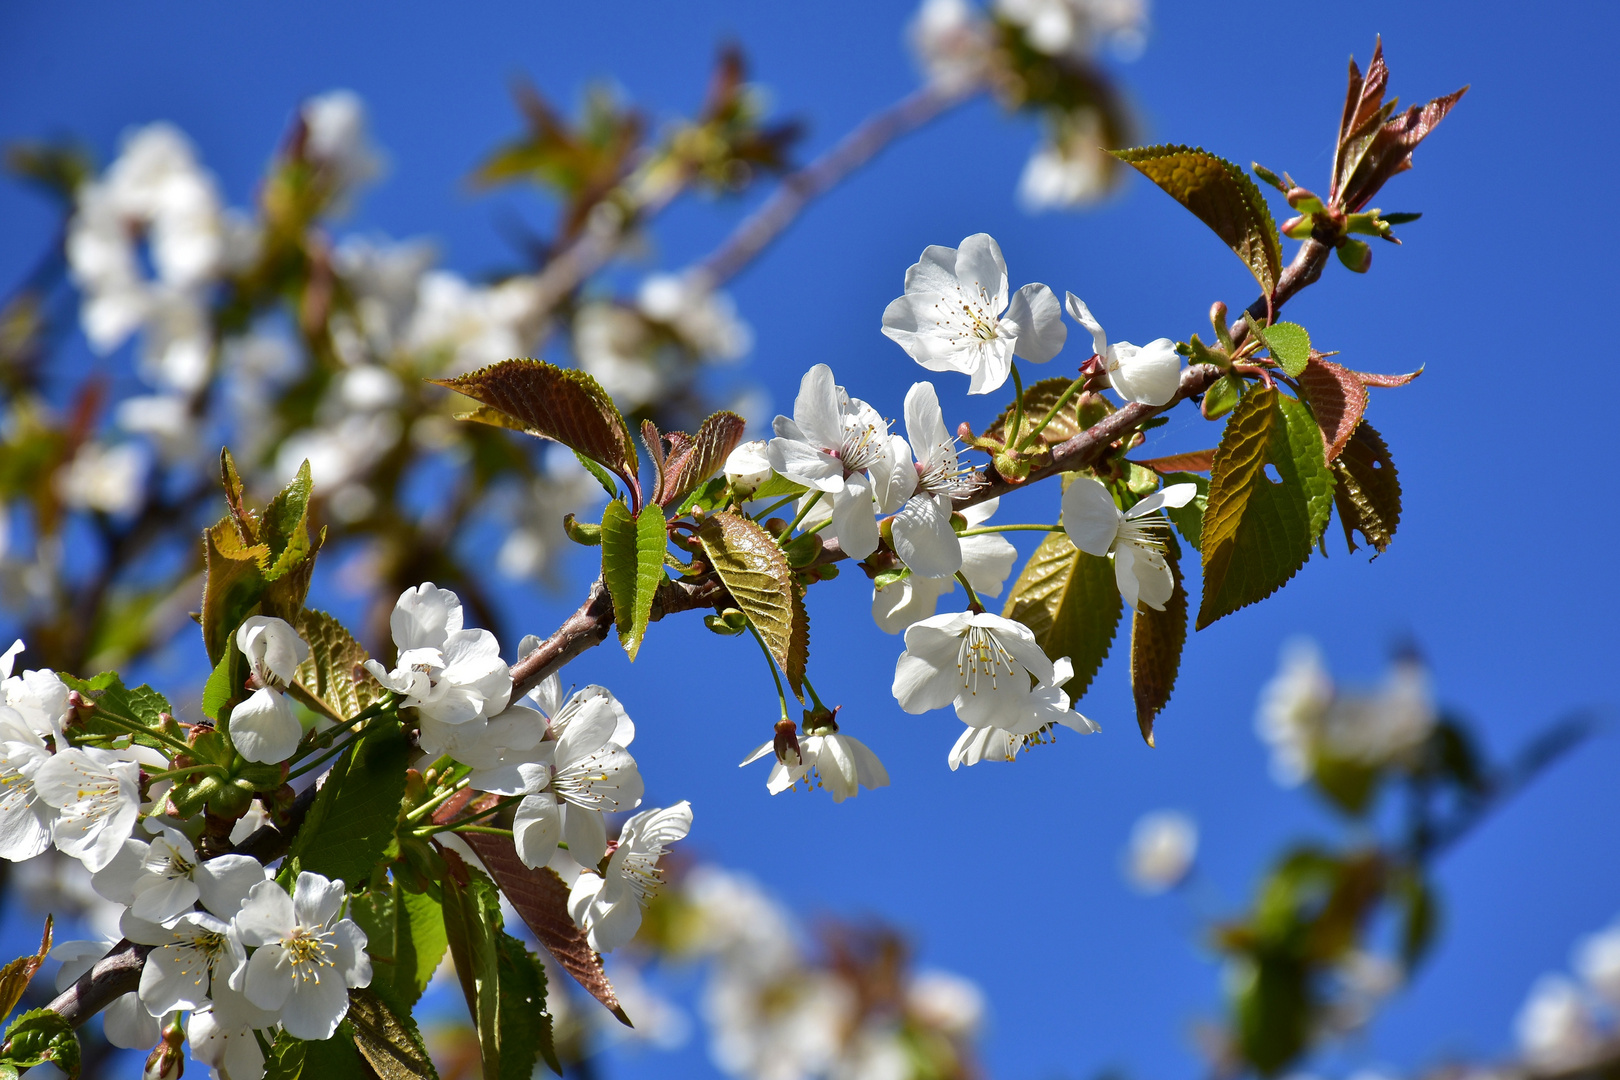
191 960
1163 845
222 1036
161 880
126 1022
1133 537
838 762
987 560
96 794
608 906
306 956
835 445
273 648
981 663
1150 374
923 535
447 673
956 315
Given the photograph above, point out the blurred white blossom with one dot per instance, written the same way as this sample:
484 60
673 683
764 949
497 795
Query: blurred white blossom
1079 27
950 41
704 318
110 479
337 141
1555 1026
1161 852
474 325
1597 961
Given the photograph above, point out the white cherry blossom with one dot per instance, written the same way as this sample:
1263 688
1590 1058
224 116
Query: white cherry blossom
39 698
830 444
164 879
1556 1025
97 795
449 674
126 1022
956 315
838 762
608 906
987 561
1597 960
336 139
273 648
1163 845
1049 706
264 728
191 959
923 536
1077 27
26 819
748 467
950 40
1098 527
981 663
306 956
1149 374
222 1036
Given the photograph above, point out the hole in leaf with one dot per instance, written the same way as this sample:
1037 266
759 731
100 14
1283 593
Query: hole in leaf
1272 474
1377 464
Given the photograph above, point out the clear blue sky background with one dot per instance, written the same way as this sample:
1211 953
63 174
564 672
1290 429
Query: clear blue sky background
1010 874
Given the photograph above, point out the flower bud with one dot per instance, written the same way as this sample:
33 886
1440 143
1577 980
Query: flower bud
747 468
718 626
1299 228
787 743
168 1058
1305 201
582 532
1356 255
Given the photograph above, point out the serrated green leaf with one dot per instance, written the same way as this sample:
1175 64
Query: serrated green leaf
328 1059
388 1041
1290 345
561 404
1189 519
1157 638
142 704
38 1036
472 920
522 1020
1338 399
633 567
284 526
1222 196
603 477
218 691
350 828
1071 603
1223 395
405 938
1258 533
334 674
1368 493
756 573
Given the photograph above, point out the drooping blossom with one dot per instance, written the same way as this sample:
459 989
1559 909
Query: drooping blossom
956 315
223 1035
1049 707
1070 168
1163 845
1098 527
987 560
923 535
840 763
306 956
608 906
448 674
981 663
264 728
1150 374
830 445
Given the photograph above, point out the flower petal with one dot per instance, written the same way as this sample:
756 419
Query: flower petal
1150 375
1041 331
1082 315
924 539
1090 517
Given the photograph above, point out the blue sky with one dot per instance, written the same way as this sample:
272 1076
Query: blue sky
1010 874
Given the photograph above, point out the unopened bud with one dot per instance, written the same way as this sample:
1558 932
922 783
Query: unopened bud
1356 255
1305 201
582 532
776 526
787 743
718 625
748 467
1299 228
168 1059
1217 320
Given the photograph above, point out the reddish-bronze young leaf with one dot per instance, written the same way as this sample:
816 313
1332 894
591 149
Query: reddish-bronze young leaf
1222 196
1338 399
694 459
1191 461
1157 638
555 403
1368 492
1370 379
1374 144
756 573
541 898
15 976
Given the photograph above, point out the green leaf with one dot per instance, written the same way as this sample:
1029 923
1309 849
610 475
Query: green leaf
1289 343
1258 533
777 487
1223 395
15 976
218 691
1369 489
1222 196
334 674
522 1019
1189 519
1157 638
633 567
38 1036
285 525
405 938
389 1042
541 900
561 404
472 920
1071 603
692 461
756 573
603 477
143 705
350 829
329 1059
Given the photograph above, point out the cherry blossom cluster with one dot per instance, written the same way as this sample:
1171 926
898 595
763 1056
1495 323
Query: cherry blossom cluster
865 483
